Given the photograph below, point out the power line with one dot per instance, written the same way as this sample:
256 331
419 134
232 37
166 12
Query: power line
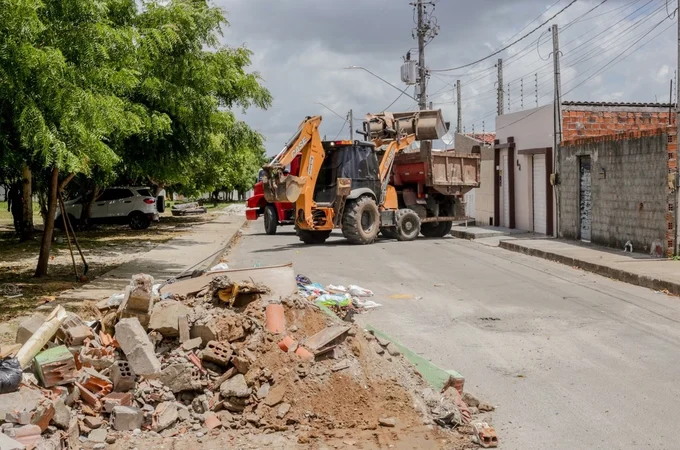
341 129
395 101
510 45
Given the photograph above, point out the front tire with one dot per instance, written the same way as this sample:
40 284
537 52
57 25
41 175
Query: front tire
310 237
271 219
436 229
139 221
408 225
361 221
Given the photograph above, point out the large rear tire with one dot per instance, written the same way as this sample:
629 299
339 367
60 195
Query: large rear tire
271 219
408 225
361 221
310 237
436 229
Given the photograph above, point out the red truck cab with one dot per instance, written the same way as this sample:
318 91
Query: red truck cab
275 214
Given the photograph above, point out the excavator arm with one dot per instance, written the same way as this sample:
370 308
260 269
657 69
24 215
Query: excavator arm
387 162
279 187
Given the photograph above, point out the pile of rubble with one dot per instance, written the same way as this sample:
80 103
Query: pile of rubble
216 351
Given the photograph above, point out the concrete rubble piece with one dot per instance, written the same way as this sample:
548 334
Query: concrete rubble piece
235 355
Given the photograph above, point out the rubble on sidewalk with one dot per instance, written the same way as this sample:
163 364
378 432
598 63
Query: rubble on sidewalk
235 354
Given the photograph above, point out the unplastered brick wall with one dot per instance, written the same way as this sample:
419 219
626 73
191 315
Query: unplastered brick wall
630 193
580 122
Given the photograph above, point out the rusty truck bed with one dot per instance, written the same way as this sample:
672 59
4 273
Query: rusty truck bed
448 172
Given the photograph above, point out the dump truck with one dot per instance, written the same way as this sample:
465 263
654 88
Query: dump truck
360 187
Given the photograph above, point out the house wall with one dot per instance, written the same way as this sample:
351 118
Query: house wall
631 199
581 121
532 128
484 195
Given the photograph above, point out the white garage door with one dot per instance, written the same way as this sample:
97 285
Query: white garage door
540 200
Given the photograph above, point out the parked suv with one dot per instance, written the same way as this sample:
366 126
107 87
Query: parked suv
132 205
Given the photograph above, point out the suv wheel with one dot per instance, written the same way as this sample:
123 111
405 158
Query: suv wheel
139 221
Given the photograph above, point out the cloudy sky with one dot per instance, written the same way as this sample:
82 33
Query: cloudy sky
623 50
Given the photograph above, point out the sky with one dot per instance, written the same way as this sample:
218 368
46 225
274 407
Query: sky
623 50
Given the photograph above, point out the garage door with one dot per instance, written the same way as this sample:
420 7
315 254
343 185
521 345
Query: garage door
540 210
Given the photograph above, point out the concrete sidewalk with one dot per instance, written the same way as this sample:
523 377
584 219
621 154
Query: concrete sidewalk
634 268
201 247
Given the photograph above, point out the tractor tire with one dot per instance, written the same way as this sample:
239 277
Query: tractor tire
388 232
271 219
436 229
310 237
361 221
408 225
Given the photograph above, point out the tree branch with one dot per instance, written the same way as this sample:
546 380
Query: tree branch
65 181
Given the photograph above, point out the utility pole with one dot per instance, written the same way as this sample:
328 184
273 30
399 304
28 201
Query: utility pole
351 125
557 115
460 108
500 86
676 250
422 73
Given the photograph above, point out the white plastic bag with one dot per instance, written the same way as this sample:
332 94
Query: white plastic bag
356 291
220 266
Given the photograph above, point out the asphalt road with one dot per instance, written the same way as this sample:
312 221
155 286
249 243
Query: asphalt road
572 360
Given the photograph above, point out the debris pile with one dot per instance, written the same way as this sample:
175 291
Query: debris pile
233 350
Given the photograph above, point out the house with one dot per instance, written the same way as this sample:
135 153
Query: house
479 198
517 176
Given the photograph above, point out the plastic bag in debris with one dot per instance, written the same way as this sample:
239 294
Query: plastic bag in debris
220 266
334 300
115 299
303 280
10 375
366 304
314 288
155 289
334 288
356 291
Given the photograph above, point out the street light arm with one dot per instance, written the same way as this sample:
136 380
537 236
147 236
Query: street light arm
383 80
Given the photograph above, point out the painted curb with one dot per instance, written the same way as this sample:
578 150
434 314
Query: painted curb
610 272
432 373
226 247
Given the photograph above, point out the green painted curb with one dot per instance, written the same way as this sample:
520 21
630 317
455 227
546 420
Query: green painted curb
432 373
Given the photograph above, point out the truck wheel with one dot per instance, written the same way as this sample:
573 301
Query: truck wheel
361 221
271 219
408 225
388 232
436 229
310 237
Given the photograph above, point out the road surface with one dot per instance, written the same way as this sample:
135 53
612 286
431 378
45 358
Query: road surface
572 360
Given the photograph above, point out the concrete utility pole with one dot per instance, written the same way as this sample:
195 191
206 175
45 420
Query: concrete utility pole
351 125
422 72
557 115
500 85
459 126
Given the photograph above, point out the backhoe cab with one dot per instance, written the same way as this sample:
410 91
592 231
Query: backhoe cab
345 184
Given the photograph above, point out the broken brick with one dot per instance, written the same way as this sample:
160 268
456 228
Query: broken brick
89 397
275 319
218 353
99 358
75 336
122 376
55 366
212 421
95 382
288 344
116 399
304 353
27 435
184 331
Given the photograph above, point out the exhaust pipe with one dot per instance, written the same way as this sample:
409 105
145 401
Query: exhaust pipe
427 125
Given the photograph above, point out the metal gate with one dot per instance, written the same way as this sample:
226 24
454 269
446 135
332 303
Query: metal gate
539 190
506 192
585 198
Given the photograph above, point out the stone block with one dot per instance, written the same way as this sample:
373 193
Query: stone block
126 418
184 330
97 436
138 348
28 327
122 376
235 387
180 377
218 353
165 317
164 416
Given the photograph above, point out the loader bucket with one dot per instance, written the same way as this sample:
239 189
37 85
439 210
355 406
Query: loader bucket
282 188
427 125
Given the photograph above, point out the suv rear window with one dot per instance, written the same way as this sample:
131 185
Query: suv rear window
144 192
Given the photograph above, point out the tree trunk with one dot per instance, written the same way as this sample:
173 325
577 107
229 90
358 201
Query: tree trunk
88 200
26 226
44 258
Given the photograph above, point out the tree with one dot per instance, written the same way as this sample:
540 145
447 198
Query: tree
67 68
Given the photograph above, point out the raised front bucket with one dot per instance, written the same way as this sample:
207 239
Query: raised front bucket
282 188
427 125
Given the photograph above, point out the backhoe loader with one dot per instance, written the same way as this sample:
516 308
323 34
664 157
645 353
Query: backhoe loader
343 184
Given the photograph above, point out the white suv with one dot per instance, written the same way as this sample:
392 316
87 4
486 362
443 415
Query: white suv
132 205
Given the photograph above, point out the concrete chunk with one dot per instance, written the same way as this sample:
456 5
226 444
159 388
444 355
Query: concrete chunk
180 377
28 327
165 317
165 416
235 387
126 418
138 348
139 294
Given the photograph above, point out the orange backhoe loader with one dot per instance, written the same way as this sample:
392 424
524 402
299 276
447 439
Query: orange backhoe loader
343 184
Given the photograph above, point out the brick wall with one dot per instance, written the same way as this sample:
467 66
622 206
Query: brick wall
631 197
591 121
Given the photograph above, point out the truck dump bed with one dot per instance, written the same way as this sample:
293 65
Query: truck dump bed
448 172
